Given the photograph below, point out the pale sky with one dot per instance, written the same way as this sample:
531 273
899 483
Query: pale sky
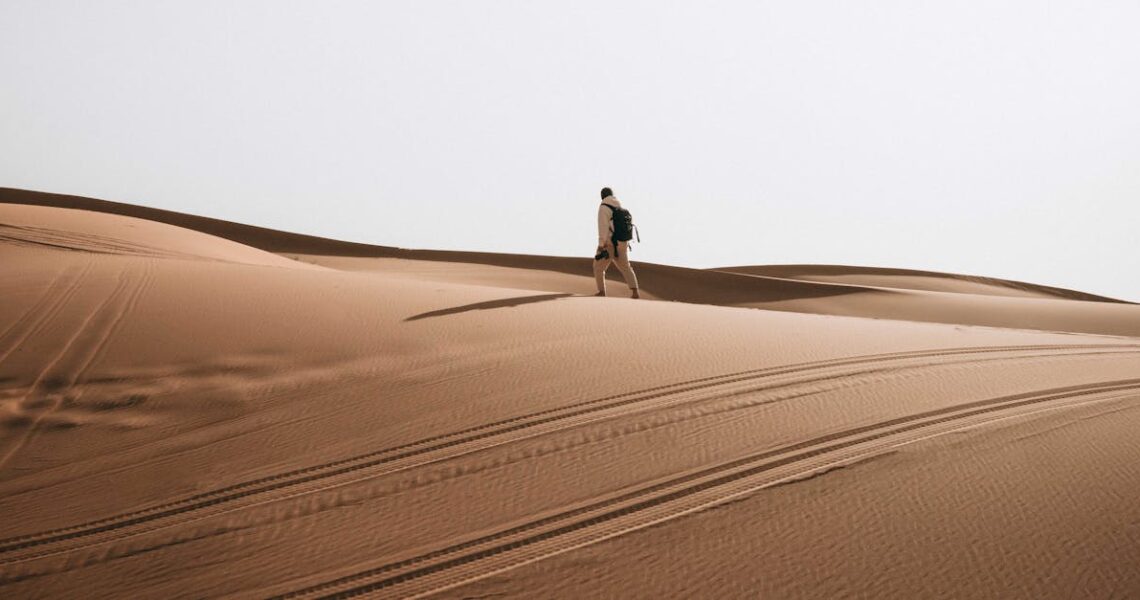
989 138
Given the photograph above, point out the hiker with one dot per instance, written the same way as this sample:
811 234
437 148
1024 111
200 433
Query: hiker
613 243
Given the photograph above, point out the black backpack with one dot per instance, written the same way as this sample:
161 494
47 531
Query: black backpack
623 225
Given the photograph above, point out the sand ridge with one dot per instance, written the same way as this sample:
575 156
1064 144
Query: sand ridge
107 233
909 279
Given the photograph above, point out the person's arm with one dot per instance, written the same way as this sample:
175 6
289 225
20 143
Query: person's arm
605 215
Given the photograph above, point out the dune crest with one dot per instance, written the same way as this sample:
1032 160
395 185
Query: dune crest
909 279
104 233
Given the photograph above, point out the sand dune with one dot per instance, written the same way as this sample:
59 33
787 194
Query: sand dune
101 233
258 237
192 408
908 279
830 290
713 287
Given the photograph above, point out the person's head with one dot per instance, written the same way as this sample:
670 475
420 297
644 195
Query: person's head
606 193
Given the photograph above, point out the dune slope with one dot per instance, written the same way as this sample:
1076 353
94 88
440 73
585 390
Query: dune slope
183 417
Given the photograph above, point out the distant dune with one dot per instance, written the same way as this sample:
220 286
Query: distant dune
907 279
194 408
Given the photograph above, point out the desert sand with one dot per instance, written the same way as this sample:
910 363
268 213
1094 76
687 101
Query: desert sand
192 408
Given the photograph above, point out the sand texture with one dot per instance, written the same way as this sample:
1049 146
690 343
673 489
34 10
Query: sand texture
191 408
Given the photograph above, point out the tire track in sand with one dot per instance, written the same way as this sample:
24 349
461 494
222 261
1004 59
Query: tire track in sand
48 294
102 324
39 315
483 437
494 553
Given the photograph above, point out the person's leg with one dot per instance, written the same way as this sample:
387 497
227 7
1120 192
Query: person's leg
600 267
622 263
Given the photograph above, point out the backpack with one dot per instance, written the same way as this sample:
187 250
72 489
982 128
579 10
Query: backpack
623 225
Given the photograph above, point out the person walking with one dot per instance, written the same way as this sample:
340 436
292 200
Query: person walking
611 251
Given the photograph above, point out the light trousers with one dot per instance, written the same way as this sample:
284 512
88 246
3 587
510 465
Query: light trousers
622 263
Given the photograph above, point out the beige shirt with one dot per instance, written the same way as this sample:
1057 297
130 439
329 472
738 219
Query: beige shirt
606 220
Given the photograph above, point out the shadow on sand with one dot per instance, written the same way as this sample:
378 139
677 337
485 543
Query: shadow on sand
504 303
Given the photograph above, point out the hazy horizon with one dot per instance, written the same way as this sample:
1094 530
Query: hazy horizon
991 140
